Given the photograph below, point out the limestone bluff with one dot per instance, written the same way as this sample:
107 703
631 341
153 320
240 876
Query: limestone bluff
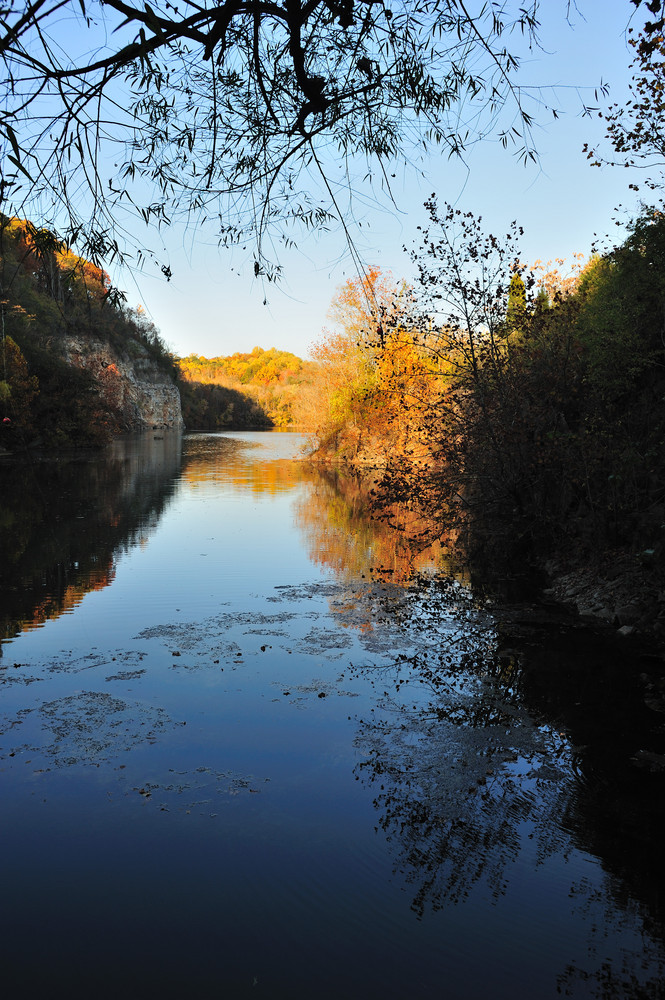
131 383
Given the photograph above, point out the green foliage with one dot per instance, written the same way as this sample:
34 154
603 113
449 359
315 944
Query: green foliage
516 311
17 393
67 412
562 433
622 301
46 294
541 303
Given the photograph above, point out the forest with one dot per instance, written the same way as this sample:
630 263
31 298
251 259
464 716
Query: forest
258 390
50 294
522 407
373 708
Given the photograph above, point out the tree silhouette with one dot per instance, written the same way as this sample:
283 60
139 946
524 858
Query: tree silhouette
227 109
635 127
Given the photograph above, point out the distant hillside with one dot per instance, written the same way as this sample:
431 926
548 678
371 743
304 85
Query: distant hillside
76 365
259 389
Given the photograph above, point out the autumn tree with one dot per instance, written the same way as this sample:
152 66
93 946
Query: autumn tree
555 433
239 111
557 279
494 416
34 256
49 295
362 311
376 380
261 367
256 389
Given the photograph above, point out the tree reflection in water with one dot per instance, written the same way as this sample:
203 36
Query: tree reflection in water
494 748
335 519
461 772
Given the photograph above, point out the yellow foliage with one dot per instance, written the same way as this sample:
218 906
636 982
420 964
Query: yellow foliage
374 377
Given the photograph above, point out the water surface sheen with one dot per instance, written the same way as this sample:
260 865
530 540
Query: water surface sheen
252 746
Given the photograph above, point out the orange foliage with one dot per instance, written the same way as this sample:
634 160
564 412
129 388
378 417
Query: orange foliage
346 381
275 477
95 281
272 367
270 380
53 606
375 378
340 534
37 249
558 278
406 375
363 307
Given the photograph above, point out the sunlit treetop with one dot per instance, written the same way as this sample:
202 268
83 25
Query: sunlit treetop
260 367
32 248
253 117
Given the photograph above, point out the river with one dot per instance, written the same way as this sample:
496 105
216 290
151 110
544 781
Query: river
251 745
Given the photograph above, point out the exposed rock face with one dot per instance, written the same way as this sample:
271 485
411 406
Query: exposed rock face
131 383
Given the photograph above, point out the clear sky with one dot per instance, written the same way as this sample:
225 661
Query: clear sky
214 306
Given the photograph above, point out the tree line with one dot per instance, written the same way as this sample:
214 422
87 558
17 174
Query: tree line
258 389
524 406
48 295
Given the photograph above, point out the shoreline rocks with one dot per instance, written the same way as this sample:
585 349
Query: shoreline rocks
621 591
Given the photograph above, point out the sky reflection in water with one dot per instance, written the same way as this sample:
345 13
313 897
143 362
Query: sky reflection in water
237 760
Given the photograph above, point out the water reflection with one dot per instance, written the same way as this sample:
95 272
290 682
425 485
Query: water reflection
345 758
600 695
230 459
495 744
63 523
335 520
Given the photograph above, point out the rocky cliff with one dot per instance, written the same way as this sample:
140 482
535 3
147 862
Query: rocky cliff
132 384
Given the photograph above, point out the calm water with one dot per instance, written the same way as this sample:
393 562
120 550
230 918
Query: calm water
250 746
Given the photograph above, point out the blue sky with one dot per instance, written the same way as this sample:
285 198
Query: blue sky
214 306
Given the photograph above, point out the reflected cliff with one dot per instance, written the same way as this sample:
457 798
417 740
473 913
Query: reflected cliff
63 523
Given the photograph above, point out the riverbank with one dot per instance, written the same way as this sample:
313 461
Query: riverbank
622 589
